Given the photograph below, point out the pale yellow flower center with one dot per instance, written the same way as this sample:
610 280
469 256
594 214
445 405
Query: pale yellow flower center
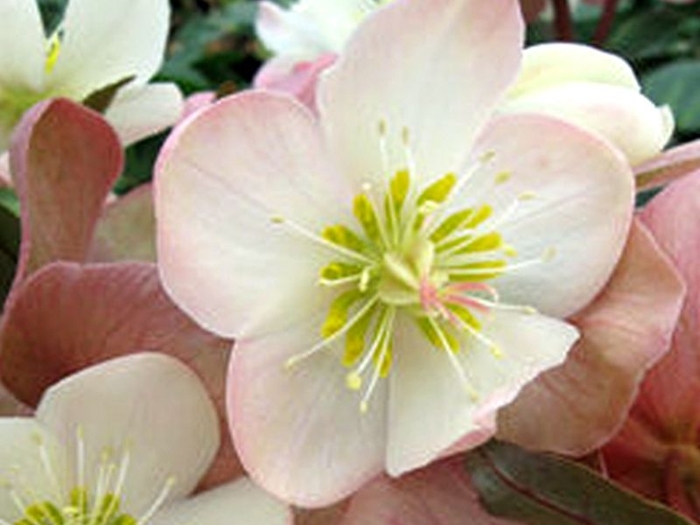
413 252
82 505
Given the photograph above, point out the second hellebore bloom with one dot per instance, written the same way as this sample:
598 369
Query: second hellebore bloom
96 46
395 269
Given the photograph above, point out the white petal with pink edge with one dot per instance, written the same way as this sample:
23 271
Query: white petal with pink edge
147 409
297 429
418 93
242 194
558 192
436 403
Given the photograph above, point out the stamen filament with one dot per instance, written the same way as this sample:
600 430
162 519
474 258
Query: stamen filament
488 343
321 241
336 335
165 491
505 307
46 464
454 360
369 353
386 344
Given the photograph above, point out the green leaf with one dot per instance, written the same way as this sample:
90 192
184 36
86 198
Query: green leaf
51 13
209 49
101 99
542 489
9 248
632 36
676 84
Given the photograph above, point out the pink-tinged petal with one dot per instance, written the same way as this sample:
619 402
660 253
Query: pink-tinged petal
656 450
440 494
576 407
299 81
433 411
608 110
547 65
148 404
672 217
298 430
571 192
88 314
239 503
139 112
197 101
126 230
64 160
421 93
23 45
233 186
669 165
104 43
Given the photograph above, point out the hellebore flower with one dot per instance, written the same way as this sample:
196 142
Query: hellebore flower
580 84
657 452
119 443
97 46
395 270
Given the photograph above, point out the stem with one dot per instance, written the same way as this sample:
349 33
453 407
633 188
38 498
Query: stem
602 31
563 25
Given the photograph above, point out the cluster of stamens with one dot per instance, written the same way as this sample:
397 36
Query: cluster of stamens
413 253
82 505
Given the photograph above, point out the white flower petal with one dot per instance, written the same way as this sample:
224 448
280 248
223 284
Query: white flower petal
547 65
610 111
22 469
434 88
105 42
573 198
23 46
239 503
432 413
222 178
149 404
298 430
290 33
139 112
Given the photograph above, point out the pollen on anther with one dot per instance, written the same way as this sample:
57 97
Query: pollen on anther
502 177
353 381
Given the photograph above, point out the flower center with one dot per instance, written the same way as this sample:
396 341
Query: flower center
412 253
81 505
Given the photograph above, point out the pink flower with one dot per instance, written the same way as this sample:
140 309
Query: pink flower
657 451
396 269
